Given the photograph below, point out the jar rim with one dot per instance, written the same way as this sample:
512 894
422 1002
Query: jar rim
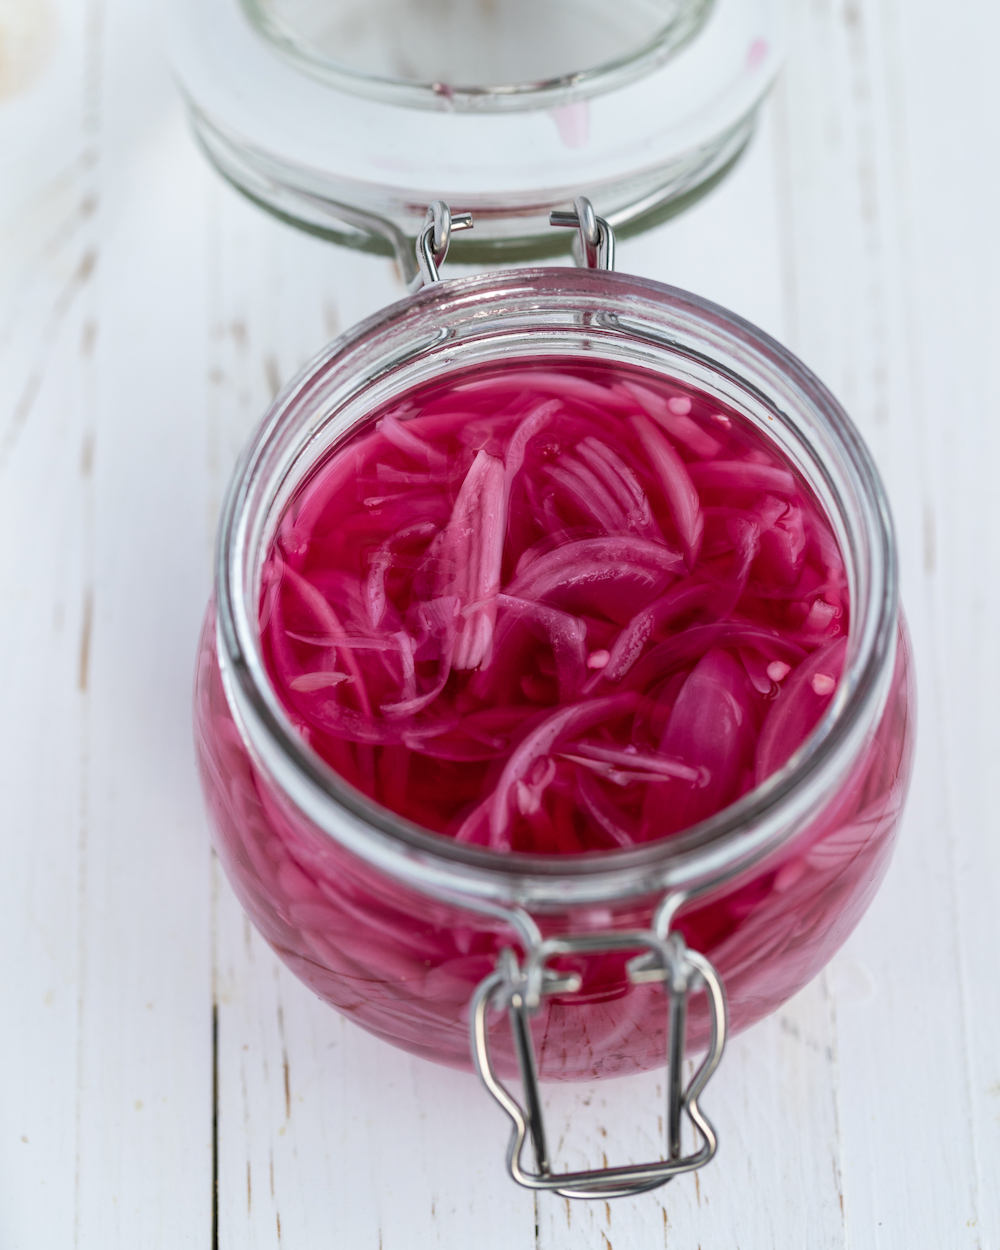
550 92
640 311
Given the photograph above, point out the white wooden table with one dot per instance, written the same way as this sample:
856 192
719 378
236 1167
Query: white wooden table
146 316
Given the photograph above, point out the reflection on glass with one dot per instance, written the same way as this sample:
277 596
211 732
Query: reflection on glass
478 47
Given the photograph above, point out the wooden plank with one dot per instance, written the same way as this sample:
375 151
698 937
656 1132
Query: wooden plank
327 1134
912 1123
43 500
728 247
46 410
144 1081
948 229
771 1185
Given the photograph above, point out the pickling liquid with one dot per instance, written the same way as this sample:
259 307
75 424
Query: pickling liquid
555 606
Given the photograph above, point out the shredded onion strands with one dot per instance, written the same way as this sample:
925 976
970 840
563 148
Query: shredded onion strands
562 607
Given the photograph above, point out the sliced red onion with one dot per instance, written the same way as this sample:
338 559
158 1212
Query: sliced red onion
328 619
589 495
675 482
799 706
667 656
677 424
619 479
711 727
742 475
644 765
397 433
532 424
589 556
471 612
318 680
566 634
620 828
469 554
539 743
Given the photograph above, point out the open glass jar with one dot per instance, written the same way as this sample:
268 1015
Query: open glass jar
606 961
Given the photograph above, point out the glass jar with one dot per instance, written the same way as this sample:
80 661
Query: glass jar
641 105
395 926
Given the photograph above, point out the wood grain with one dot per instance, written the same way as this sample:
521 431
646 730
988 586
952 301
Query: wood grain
150 1045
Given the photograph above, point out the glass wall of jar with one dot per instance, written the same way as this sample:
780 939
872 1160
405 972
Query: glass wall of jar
396 926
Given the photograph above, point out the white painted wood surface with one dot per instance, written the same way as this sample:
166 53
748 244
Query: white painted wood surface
146 316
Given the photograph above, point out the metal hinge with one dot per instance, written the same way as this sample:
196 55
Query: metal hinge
593 249
520 989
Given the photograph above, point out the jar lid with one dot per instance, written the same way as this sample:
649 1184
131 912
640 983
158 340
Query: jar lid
358 156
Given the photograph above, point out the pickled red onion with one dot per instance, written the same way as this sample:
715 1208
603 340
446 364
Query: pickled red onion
559 607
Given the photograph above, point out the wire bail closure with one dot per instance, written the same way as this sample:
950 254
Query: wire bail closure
435 239
520 988
594 248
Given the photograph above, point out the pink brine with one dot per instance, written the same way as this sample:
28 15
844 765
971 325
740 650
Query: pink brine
557 607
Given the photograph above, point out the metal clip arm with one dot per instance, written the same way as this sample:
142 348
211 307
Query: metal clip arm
596 249
682 972
597 239
435 239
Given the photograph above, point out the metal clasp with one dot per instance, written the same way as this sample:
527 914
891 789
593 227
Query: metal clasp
665 959
596 243
593 249
435 239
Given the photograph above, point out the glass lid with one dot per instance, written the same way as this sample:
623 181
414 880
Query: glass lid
477 54
348 119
